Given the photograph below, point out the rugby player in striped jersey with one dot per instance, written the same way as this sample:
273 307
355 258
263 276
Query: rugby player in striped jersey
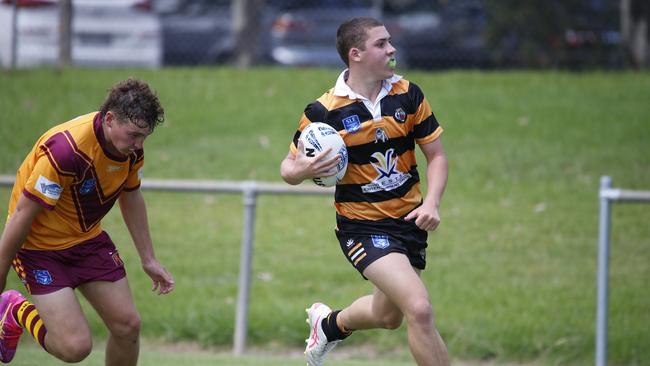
382 219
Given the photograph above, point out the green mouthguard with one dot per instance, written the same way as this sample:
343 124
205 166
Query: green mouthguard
392 63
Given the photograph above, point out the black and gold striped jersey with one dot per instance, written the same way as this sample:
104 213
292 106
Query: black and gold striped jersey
382 180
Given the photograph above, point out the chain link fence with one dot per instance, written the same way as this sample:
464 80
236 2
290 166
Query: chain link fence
429 34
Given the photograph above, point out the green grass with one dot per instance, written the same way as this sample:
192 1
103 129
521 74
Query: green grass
159 355
511 270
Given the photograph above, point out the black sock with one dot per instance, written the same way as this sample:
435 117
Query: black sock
331 330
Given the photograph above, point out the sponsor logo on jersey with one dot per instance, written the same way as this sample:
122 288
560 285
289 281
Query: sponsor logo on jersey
380 241
380 135
42 276
114 168
139 173
352 124
87 186
389 177
48 188
400 115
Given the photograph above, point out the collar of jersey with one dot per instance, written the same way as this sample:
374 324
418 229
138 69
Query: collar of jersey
342 89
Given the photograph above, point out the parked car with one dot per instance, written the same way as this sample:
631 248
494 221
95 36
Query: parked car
440 34
417 31
304 33
104 33
196 32
426 33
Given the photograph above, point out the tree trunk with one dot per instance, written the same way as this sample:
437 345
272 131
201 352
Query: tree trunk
65 33
247 24
635 15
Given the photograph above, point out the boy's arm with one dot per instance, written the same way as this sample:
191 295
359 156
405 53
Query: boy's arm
296 167
15 232
426 216
134 213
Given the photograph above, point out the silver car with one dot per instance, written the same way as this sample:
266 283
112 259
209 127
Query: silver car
304 33
107 33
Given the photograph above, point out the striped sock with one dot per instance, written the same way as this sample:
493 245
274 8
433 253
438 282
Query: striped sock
28 318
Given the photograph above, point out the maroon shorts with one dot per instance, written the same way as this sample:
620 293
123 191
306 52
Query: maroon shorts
45 271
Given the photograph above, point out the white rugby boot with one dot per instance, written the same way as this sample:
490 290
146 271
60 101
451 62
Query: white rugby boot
317 344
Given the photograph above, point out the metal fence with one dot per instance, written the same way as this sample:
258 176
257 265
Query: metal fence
607 196
249 190
429 34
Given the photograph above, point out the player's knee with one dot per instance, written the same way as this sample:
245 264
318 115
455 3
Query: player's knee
420 312
75 349
128 326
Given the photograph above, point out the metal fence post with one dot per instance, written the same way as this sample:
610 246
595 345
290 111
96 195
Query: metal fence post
246 254
603 272
250 191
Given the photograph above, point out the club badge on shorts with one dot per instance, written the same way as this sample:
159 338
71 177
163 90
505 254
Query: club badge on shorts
42 276
380 241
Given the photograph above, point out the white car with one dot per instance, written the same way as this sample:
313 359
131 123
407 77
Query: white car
106 33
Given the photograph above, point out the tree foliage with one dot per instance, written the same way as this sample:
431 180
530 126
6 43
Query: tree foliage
551 33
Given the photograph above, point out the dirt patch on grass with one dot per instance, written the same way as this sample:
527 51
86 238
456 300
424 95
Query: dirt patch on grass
357 352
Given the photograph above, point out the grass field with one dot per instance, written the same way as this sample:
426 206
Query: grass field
30 355
511 270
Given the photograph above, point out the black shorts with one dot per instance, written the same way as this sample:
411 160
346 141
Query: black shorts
363 242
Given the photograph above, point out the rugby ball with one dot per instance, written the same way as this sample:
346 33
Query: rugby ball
317 137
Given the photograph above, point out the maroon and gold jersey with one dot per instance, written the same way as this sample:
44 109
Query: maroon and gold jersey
71 173
381 180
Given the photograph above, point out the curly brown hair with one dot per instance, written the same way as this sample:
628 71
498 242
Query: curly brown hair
354 33
134 101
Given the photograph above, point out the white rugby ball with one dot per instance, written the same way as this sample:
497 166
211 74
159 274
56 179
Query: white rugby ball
318 137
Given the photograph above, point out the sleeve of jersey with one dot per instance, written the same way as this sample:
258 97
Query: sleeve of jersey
45 185
313 112
426 127
134 179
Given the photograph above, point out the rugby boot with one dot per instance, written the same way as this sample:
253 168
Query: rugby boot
317 344
10 330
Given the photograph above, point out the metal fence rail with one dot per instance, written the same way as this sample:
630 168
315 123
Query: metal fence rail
250 190
608 195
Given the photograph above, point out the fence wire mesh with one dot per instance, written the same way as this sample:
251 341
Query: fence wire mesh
428 34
